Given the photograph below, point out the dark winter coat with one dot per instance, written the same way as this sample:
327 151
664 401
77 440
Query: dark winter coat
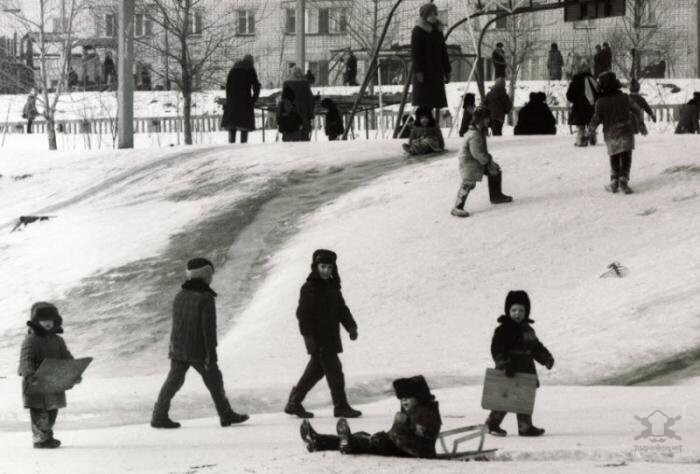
643 104
555 62
108 68
334 122
535 118
303 99
429 56
618 114
498 102
425 140
37 346
606 59
321 311
515 345
351 66
30 111
582 108
689 118
418 433
193 336
598 66
242 90
499 63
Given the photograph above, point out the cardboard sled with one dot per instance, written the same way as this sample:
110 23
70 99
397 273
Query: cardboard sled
512 394
57 375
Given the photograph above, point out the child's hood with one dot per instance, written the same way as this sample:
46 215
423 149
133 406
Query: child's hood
505 320
43 310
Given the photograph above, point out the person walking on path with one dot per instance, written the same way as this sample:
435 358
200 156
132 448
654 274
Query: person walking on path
639 100
350 69
689 116
430 61
582 93
289 121
303 100
606 59
320 313
555 63
598 60
109 71
193 344
498 57
242 91
620 117
30 111
499 104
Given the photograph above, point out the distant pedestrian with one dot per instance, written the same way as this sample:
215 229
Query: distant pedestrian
639 100
689 116
535 118
289 121
350 69
607 58
598 61
303 100
467 112
498 57
499 104
555 63
426 137
620 117
193 344
430 61
582 93
30 111
334 121
320 313
242 91
108 69
310 77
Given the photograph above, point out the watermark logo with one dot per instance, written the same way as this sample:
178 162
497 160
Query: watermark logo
657 432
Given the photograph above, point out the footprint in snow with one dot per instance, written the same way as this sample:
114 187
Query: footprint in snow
647 212
686 197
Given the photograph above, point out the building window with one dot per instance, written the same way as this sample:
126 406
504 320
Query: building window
338 20
246 22
110 25
312 22
195 23
320 71
291 23
647 14
501 23
143 26
59 26
323 20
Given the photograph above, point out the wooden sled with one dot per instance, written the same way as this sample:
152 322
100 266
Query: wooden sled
466 433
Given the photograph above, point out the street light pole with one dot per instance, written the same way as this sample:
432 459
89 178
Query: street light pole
125 83
301 34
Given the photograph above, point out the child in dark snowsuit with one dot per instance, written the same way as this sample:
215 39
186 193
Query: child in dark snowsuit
414 431
289 121
334 122
425 137
515 348
467 113
42 342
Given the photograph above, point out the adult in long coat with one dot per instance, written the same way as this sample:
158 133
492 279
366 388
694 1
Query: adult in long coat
320 313
498 58
555 63
582 93
350 70
430 60
499 104
303 100
689 114
620 117
242 90
535 118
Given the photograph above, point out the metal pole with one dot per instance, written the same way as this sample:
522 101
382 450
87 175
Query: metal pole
125 87
301 34
404 97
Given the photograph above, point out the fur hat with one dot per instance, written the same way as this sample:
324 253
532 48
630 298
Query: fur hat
481 113
608 82
43 311
199 268
324 256
426 9
518 297
415 386
469 99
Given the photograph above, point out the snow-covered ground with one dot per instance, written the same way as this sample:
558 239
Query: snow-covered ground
425 288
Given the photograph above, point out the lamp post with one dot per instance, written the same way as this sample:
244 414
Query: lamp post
301 34
125 83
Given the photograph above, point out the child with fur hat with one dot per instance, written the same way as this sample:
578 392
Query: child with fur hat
193 344
413 434
426 137
42 342
475 161
515 348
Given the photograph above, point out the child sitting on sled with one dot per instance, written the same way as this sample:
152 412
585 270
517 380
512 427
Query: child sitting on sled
515 348
414 431
426 136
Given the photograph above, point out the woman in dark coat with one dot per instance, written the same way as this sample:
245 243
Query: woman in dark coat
430 60
535 118
321 311
688 120
242 90
582 93
303 100
620 117
499 104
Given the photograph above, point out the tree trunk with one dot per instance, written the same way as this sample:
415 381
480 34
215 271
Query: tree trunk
51 133
187 112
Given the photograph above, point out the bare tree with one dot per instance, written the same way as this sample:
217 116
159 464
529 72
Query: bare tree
51 27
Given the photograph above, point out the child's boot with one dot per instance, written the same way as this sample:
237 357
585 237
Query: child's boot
48 444
343 430
614 185
624 186
458 210
493 423
160 419
526 428
294 406
495 194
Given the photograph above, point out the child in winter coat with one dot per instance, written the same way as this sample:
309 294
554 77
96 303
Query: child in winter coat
42 342
425 137
289 121
639 100
334 122
475 161
515 348
414 431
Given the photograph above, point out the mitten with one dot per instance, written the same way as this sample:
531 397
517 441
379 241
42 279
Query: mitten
353 333
549 364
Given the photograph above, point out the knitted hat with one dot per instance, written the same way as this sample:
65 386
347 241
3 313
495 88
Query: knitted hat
481 113
199 268
608 82
324 256
518 297
42 311
413 387
634 85
427 9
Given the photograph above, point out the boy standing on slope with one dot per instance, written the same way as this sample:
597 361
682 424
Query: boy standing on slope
514 348
475 161
42 342
193 344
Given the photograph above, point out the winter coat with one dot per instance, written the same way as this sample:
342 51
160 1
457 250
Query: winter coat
555 62
515 345
193 336
598 66
430 59
288 119
418 433
425 140
498 103
242 90
535 118
39 345
108 68
351 66
334 122
618 114
689 118
474 156
643 104
30 111
499 63
303 99
321 311
582 93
